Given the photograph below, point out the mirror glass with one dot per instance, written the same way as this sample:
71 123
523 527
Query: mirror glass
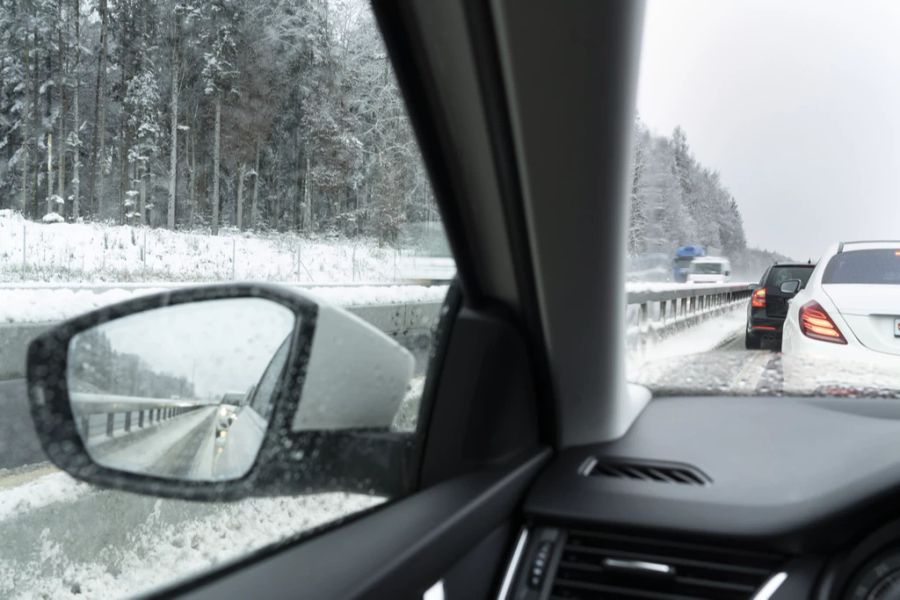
183 391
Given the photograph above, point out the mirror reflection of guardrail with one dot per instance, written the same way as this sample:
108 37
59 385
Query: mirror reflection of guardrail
657 313
110 416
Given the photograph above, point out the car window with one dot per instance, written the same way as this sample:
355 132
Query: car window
729 161
151 144
779 275
263 392
864 267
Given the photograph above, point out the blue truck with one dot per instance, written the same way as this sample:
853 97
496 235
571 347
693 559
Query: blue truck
684 256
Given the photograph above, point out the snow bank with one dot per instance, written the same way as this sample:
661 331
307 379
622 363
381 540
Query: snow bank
52 217
98 252
152 542
45 305
702 337
666 286
44 491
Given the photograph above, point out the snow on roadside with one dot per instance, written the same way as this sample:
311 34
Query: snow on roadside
40 492
99 252
665 286
162 547
703 337
45 305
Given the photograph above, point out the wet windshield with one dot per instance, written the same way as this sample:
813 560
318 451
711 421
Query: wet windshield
765 133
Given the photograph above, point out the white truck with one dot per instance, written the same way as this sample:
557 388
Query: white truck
709 269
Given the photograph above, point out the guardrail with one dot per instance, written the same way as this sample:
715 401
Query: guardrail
661 312
653 312
113 415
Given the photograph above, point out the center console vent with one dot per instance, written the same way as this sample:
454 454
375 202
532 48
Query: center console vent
593 564
643 470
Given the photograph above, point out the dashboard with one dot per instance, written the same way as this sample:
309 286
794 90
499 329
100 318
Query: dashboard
722 498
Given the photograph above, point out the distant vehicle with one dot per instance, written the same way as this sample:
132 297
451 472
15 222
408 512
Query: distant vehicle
768 305
850 308
234 398
684 256
709 269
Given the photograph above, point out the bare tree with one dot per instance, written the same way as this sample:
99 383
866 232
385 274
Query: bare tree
176 86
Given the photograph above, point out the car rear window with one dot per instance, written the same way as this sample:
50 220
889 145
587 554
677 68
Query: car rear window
779 275
880 266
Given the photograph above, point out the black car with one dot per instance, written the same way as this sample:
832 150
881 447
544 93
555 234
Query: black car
768 305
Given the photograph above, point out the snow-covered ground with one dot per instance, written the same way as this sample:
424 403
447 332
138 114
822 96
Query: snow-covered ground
44 304
64 539
96 252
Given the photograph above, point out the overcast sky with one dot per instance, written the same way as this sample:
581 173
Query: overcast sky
796 103
220 345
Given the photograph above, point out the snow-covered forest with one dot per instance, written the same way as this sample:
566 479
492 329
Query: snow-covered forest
263 115
675 200
270 114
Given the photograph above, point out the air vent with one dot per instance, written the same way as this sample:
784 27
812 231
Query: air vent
598 565
640 470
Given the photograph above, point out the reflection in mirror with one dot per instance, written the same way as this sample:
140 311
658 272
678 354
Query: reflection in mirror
181 392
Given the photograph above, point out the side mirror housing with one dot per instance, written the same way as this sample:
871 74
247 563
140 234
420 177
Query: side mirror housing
221 392
790 287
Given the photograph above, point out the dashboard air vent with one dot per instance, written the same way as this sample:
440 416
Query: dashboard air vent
639 470
597 565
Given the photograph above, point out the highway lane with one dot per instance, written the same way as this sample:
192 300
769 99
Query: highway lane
729 368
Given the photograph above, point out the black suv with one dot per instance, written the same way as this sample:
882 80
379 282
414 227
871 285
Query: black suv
768 306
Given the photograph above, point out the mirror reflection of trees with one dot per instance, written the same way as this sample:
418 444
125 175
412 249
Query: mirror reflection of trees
98 368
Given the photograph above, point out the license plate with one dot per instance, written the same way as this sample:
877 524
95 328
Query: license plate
896 327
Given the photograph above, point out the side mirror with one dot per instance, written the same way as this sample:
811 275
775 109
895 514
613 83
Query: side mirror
790 287
219 392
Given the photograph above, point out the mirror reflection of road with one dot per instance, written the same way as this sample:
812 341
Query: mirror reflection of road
183 458
192 446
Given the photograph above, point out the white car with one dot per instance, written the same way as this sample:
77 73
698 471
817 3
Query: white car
709 269
850 308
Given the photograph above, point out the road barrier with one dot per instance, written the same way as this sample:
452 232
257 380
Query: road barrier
653 313
110 416
657 313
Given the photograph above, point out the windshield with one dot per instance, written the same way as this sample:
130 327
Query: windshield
864 266
765 133
706 268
